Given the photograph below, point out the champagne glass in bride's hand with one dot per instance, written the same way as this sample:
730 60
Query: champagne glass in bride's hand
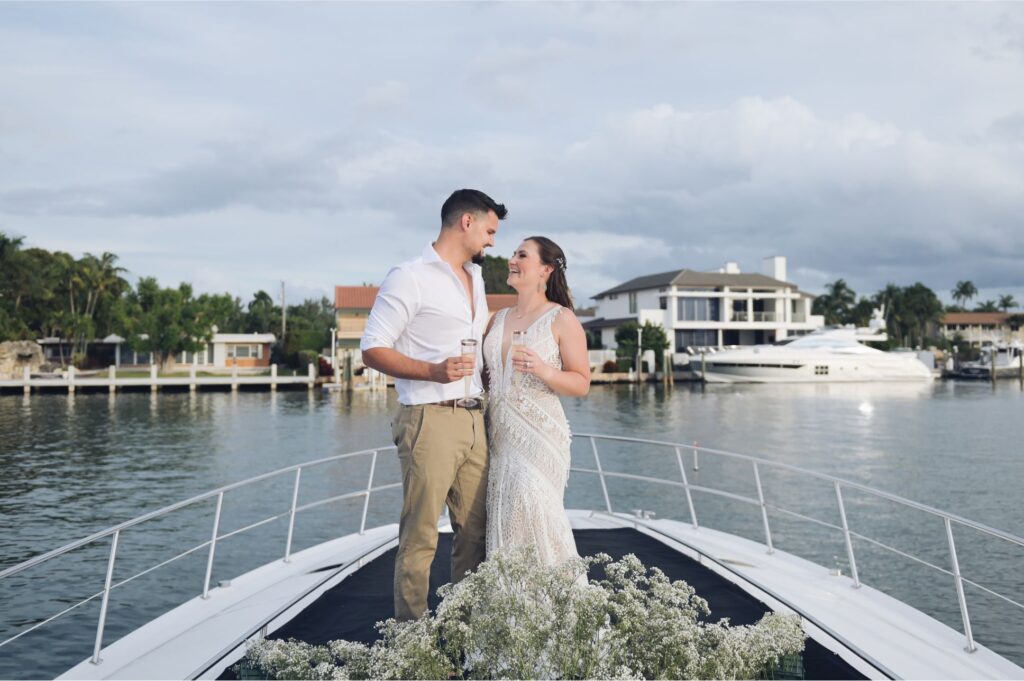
469 355
518 344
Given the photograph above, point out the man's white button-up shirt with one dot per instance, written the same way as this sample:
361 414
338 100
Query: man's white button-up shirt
422 310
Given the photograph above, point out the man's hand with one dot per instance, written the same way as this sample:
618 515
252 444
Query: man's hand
452 369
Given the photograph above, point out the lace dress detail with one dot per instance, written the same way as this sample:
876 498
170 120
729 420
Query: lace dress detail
529 439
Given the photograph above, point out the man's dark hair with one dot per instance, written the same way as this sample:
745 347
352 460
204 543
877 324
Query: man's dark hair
469 201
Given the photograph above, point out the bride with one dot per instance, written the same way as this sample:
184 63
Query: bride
527 431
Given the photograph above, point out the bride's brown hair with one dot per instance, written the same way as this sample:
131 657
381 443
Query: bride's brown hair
552 254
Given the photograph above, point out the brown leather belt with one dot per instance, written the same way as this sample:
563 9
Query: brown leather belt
451 404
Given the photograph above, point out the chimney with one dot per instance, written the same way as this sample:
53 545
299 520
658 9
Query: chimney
731 268
775 267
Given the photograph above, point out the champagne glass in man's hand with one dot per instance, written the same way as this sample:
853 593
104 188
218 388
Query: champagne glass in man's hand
469 356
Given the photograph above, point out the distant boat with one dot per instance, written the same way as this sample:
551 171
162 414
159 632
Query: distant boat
1007 359
830 355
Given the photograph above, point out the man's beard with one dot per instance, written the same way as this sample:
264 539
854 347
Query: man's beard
478 259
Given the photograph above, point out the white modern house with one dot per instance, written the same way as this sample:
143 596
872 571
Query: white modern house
716 309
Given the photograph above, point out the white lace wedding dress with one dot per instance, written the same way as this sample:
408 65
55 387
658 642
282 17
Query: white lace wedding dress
528 442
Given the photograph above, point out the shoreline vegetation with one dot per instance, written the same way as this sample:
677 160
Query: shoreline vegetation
514 618
46 294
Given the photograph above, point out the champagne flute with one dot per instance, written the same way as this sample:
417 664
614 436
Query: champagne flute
469 355
518 342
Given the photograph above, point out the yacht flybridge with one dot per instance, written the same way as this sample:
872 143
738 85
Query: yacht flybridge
719 520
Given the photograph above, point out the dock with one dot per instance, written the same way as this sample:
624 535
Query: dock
72 381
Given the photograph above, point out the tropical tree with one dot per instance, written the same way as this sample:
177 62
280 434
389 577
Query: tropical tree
836 303
987 306
164 321
223 311
99 280
12 273
964 292
262 315
1006 302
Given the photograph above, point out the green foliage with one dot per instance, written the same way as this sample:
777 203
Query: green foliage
836 304
223 311
909 311
987 306
652 338
518 619
495 273
964 291
164 321
1007 301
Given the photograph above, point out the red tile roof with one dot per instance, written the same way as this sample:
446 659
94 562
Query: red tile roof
975 318
362 297
354 297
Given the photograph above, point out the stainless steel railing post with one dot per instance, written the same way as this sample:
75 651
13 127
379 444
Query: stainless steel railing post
696 463
106 599
846 538
958 580
686 487
764 510
369 486
291 516
600 474
213 545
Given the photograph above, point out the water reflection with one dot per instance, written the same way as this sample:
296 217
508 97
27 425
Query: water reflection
77 464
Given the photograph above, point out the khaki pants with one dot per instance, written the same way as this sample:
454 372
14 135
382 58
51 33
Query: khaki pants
443 453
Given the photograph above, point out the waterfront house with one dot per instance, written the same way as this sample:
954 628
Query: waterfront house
716 309
982 328
225 350
352 306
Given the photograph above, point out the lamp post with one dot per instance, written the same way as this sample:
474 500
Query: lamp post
639 352
334 352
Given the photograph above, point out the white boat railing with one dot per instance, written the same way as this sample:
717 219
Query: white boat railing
114 533
673 449
839 484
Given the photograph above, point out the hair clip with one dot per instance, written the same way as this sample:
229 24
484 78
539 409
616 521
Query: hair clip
561 263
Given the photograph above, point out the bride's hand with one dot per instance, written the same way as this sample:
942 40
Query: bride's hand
529 362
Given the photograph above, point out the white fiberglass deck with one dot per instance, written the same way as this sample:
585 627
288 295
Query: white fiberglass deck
876 634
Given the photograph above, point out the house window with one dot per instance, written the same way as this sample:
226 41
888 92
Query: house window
632 303
239 351
663 302
698 309
613 296
695 338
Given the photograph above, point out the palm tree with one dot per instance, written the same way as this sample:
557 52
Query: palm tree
1006 302
964 291
987 306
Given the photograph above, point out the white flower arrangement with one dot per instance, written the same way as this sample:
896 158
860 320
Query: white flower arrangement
517 619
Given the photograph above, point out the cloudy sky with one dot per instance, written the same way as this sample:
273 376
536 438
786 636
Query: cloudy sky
239 145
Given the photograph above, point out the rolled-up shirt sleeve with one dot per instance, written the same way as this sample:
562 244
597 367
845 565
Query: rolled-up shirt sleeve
397 302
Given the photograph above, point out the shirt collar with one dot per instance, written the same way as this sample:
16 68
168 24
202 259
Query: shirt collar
430 256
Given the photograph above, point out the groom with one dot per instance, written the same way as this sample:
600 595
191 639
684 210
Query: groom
424 308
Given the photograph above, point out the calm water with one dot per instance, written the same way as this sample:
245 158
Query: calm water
72 466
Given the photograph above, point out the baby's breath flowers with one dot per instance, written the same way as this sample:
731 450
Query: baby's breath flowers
515 618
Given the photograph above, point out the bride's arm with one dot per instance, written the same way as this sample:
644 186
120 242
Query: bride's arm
574 378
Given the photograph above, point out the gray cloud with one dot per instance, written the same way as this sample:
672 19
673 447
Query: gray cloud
642 137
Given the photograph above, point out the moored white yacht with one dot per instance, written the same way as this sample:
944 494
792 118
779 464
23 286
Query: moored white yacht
828 355
339 588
